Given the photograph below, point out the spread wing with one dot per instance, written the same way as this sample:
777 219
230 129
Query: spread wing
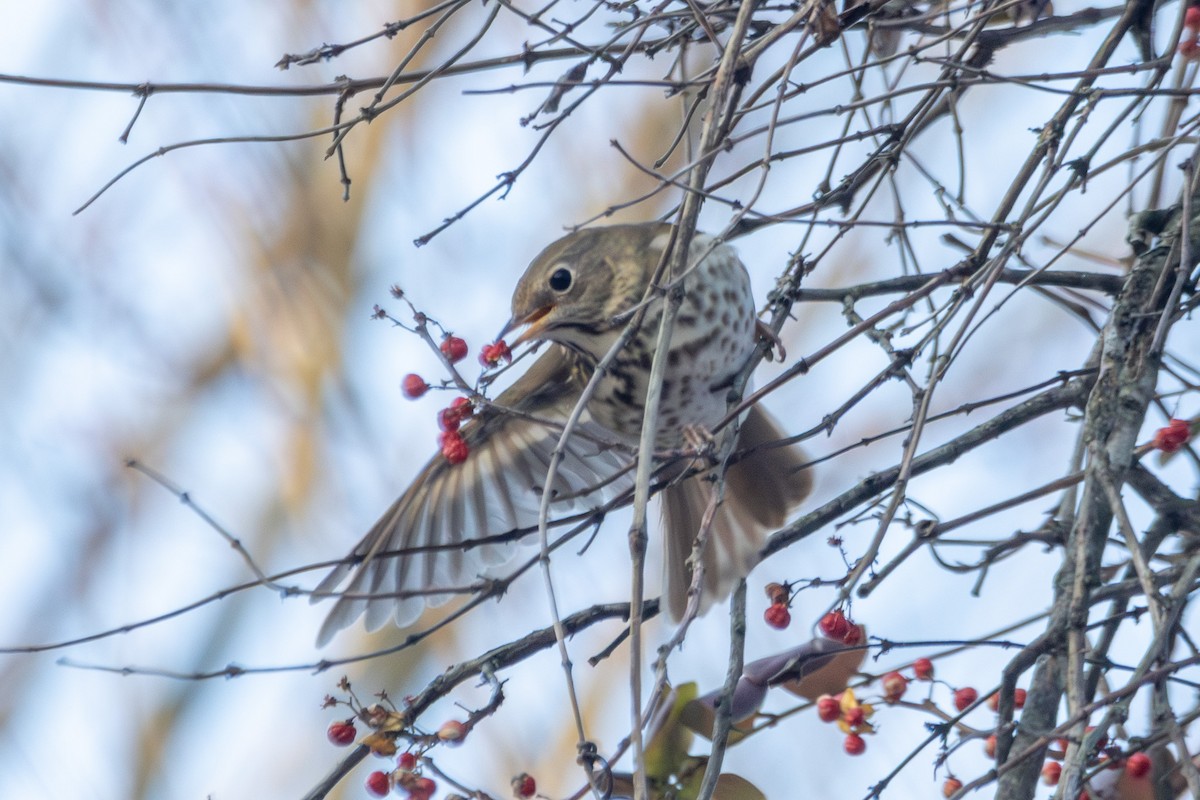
495 491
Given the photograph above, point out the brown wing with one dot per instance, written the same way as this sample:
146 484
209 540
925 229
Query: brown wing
495 491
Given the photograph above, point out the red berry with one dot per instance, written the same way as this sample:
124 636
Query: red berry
1177 432
854 744
993 702
449 420
778 616
894 687
854 716
834 625
524 786
378 784
951 787
1019 696
452 731
492 354
454 349
964 697
463 407
1138 765
854 635
828 708
341 733
1191 18
454 447
406 761
923 669
413 386
422 788
1051 773
1189 48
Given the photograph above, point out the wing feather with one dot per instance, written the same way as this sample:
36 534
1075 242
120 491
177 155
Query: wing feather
495 491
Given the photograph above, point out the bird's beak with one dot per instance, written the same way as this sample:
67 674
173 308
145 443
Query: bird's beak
536 321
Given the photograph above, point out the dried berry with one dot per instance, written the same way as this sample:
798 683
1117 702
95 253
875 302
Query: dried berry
524 786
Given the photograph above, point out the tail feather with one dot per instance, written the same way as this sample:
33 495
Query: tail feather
761 491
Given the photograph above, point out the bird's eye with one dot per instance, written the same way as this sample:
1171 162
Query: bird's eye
560 281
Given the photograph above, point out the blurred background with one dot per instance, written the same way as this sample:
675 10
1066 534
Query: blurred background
209 315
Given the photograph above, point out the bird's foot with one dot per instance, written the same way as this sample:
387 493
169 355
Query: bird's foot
771 339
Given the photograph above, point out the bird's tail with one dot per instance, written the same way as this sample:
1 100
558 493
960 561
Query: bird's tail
761 491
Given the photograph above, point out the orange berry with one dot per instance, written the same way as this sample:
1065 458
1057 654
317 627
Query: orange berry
951 787
989 746
1051 773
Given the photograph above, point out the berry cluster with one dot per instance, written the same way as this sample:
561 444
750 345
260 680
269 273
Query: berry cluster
452 443
851 717
837 626
1108 764
386 724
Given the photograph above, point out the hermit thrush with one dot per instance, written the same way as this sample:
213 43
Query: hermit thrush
576 295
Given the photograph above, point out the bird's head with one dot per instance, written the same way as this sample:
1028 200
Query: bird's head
574 290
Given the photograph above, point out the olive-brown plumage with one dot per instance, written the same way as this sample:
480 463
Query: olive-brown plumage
577 294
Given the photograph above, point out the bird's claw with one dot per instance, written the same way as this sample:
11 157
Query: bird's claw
771 339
